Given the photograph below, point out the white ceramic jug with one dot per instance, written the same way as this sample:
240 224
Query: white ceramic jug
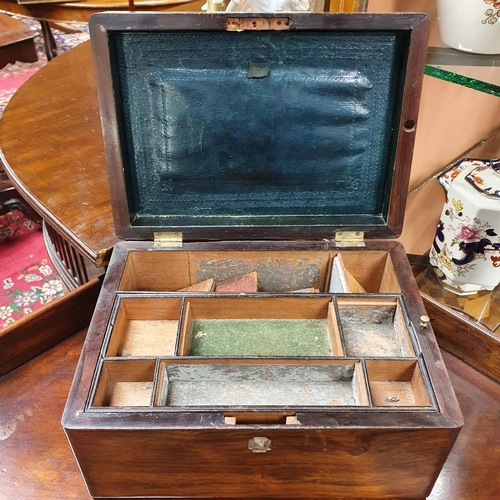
466 248
470 25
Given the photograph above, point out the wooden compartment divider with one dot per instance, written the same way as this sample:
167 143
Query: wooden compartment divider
145 326
389 282
278 272
367 269
334 331
396 382
124 383
184 341
261 383
258 325
374 327
386 380
361 381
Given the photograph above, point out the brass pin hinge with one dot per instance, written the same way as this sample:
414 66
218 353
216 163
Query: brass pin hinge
167 239
350 239
257 23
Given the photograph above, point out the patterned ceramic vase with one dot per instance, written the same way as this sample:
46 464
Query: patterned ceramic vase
470 25
466 248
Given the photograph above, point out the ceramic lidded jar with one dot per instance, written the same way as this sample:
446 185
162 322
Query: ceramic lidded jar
466 248
470 25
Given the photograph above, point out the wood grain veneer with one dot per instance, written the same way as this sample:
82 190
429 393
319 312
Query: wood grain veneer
467 339
414 433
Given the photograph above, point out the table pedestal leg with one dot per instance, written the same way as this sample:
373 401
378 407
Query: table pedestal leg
49 42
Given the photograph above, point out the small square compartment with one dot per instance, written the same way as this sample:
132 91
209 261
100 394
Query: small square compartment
374 327
274 383
125 383
145 326
396 383
259 326
363 272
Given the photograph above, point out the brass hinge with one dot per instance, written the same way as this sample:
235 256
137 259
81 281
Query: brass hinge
257 23
167 239
350 239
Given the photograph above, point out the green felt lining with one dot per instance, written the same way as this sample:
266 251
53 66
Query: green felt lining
260 337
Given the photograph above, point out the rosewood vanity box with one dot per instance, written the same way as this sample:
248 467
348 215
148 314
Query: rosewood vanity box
263 340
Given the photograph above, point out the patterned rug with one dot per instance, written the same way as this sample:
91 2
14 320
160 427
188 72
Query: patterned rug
27 276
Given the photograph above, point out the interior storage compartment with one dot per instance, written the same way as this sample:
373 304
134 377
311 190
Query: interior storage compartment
277 271
396 383
145 326
124 383
367 272
270 383
259 326
374 327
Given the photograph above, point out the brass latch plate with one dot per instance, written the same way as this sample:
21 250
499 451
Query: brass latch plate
257 23
167 239
350 239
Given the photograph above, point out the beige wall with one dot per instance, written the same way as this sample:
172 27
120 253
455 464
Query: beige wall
452 119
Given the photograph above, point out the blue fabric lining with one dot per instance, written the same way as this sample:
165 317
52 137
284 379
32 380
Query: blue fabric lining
311 139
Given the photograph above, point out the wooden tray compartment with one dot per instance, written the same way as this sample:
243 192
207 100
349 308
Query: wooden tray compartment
125 383
396 383
261 383
277 271
174 270
259 326
364 272
144 326
374 327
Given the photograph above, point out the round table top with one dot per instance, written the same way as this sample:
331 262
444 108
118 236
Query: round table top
80 11
51 140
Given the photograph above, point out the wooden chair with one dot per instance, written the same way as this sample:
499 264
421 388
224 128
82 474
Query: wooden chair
11 200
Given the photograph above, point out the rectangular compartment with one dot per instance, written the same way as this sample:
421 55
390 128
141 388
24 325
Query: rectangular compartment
259 326
124 383
396 383
144 326
277 271
257 384
374 327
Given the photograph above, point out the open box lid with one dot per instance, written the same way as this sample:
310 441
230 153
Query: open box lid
233 126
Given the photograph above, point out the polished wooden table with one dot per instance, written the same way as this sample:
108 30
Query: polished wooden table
81 11
36 462
51 141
